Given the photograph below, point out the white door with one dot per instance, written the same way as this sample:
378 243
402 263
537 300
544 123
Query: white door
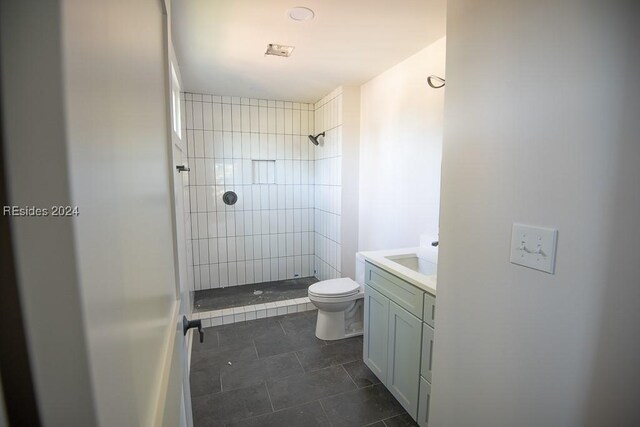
181 182
177 408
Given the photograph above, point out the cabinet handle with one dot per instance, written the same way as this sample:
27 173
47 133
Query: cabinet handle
430 354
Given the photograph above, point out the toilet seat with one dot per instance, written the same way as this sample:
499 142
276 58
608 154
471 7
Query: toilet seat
334 288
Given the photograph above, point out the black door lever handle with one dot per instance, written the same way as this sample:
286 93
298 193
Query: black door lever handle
188 324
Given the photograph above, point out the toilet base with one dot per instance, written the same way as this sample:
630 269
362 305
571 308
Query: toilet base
337 325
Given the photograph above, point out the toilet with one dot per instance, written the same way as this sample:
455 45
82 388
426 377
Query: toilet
340 304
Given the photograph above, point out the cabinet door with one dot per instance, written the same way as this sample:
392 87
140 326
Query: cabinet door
403 372
427 352
425 400
376 332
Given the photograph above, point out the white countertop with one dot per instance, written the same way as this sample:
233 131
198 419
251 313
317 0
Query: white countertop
422 281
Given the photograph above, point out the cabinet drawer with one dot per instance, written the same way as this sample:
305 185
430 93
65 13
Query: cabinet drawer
405 295
425 400
429 315
427 352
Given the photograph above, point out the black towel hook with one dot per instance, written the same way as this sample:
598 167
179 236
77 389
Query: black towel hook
430 81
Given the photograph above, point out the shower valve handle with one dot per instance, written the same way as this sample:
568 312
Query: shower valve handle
188 324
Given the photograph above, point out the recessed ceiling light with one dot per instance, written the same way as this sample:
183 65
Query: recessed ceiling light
300 13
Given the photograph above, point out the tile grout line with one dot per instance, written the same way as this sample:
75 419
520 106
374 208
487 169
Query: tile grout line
253 341
194 220
274 412
220 370
324 411
298 359
258 259
393 416
206 202
345 392
349 375
226 230
266 386
282 327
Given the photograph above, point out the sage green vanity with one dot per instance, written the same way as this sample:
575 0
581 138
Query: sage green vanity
398 338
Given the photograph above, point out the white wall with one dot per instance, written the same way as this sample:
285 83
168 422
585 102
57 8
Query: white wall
117 130
350 178
400 152
540 127
268 234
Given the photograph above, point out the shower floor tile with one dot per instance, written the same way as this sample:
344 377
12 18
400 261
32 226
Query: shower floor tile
237 296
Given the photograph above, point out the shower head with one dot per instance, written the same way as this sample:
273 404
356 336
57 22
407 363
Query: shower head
314 139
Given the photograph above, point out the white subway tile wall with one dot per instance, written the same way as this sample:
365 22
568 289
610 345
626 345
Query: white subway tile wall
328 186
269 234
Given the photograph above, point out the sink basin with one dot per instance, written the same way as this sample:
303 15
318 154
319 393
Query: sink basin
413 262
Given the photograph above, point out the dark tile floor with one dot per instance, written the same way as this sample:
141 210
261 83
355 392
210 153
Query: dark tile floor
238 296
275 372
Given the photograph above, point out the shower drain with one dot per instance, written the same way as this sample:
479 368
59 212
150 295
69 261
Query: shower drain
257 292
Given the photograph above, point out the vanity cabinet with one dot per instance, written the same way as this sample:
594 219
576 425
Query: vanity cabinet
398 338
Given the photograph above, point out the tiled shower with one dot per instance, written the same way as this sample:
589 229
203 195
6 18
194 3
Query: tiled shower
328 187
286 222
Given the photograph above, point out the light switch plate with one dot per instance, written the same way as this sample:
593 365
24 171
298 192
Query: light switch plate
534 247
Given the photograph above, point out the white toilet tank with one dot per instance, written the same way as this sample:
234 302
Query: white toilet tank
359 269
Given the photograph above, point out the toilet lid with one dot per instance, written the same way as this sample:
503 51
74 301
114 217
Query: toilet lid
334 287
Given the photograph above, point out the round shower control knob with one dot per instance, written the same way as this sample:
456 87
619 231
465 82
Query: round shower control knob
229 198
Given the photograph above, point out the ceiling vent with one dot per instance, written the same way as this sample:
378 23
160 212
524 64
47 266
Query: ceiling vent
278 50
